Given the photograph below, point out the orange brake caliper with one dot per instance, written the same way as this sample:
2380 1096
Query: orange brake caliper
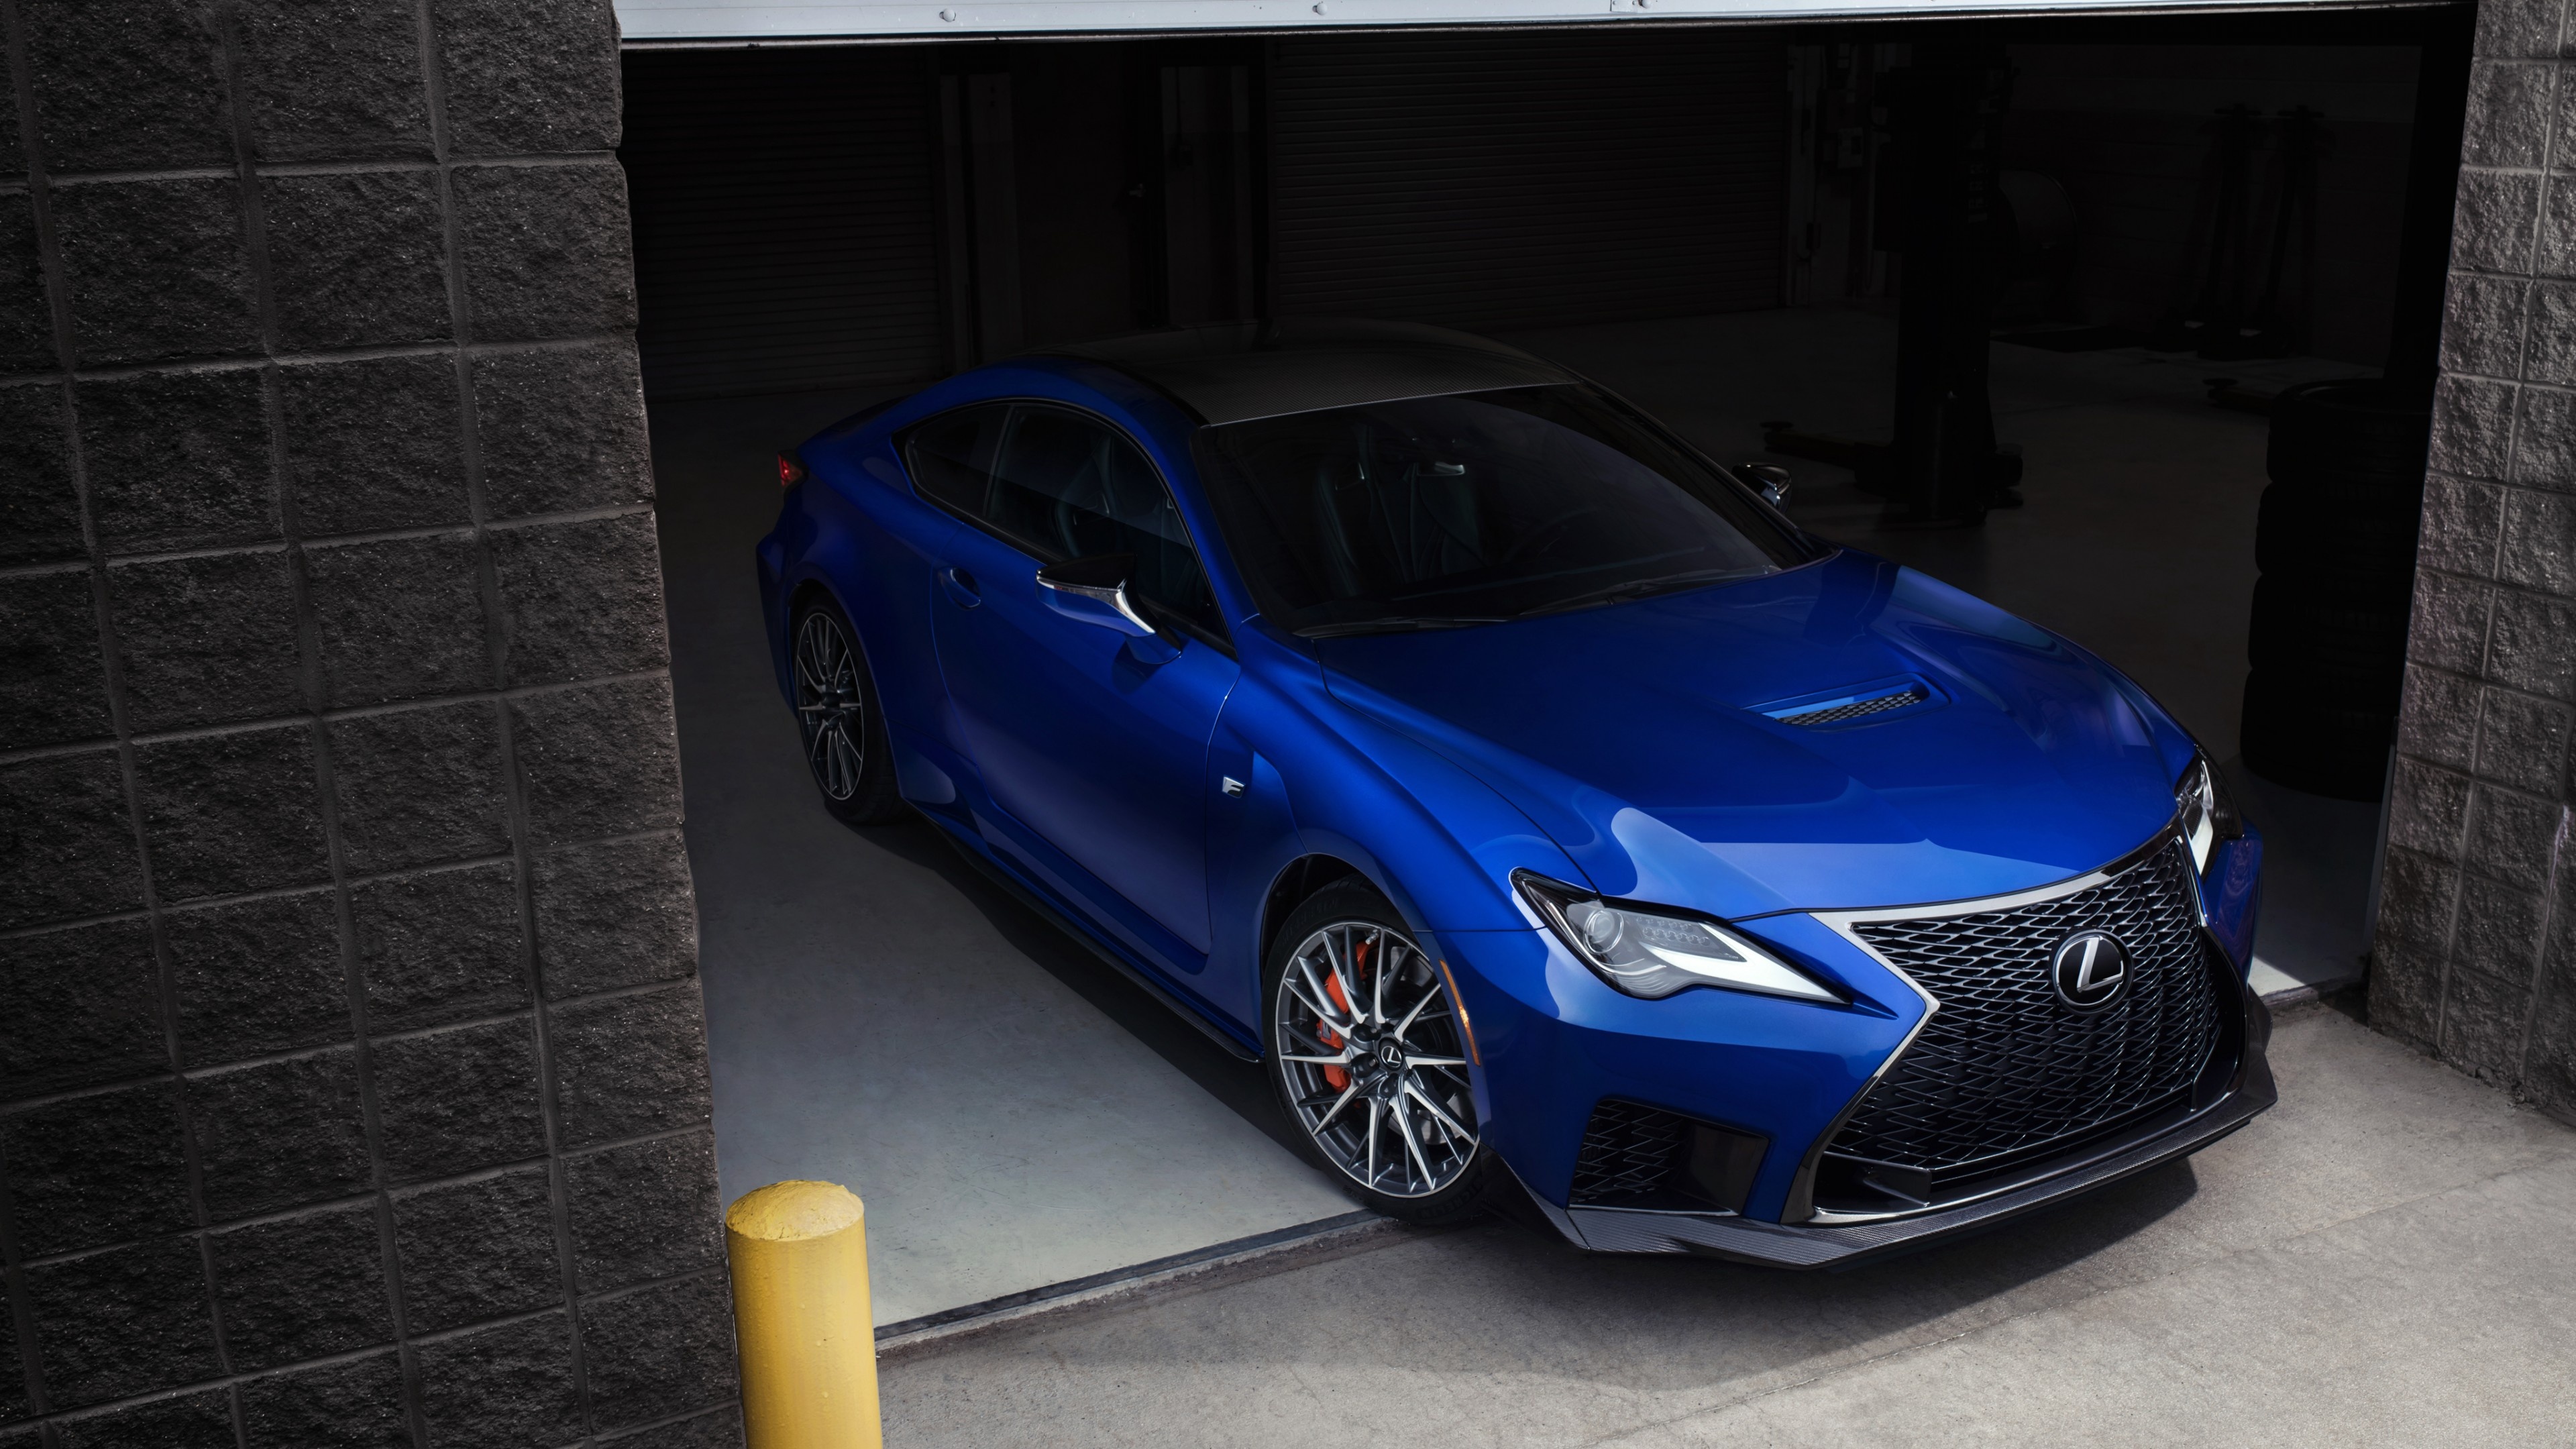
1339 1077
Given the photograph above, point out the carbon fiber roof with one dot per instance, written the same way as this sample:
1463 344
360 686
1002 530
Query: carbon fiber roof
1238 371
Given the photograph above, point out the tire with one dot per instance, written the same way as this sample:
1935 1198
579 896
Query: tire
2358 429
2293 734
2349 542
1412 1083
838 719
2358 640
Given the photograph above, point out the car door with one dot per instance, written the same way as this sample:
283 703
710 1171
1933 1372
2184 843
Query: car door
1092 740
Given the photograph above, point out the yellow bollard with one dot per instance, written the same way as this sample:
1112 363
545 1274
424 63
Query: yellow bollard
801 1317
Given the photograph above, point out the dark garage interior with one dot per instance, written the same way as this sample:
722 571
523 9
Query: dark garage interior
2181 221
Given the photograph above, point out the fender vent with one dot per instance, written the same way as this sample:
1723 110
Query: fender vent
1851 709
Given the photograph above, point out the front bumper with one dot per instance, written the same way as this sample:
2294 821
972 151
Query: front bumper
2099 1164
1791 1075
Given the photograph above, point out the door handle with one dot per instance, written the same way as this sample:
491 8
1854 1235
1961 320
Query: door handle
961 587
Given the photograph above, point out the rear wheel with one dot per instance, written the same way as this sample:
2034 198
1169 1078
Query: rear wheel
1369 1058
836 710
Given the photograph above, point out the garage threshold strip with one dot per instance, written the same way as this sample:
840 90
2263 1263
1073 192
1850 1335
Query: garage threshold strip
1258 1256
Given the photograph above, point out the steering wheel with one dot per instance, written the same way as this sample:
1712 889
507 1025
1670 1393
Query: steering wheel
1547 535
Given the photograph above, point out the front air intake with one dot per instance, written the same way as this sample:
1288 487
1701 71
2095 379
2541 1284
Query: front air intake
1637 1156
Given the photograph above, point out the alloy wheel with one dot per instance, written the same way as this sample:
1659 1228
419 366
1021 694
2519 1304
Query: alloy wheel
829 704
1368 1043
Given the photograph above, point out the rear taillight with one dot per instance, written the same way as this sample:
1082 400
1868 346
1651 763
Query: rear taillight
790 472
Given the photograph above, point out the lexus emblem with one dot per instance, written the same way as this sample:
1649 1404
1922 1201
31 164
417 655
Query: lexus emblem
2090 969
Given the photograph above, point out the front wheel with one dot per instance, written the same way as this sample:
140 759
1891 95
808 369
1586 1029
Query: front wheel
836 711
1369 1058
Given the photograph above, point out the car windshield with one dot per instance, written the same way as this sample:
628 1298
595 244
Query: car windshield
1436 512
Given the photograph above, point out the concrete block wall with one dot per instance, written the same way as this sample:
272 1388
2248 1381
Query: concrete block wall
353 1086
2475 953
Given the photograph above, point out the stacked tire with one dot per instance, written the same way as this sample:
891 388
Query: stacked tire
2336 547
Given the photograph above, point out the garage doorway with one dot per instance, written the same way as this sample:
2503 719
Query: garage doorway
1706 219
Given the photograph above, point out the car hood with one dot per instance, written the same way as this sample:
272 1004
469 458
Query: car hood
1649 739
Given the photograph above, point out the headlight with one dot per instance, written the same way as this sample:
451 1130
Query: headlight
2208 816
1652 952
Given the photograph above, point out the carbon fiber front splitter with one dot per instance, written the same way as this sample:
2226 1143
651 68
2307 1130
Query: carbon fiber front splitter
1747 1240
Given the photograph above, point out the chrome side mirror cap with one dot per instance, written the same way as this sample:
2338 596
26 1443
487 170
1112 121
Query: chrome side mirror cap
1094 591
1770 479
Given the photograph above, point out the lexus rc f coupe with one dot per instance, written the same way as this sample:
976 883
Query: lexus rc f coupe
1552 817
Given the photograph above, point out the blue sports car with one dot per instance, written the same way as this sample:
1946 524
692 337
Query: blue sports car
1565 829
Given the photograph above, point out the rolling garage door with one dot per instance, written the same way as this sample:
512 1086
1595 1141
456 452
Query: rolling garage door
1526 180
783 207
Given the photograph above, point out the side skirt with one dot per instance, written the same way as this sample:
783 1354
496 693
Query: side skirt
1030 895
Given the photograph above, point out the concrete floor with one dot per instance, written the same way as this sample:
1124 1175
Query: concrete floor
2388 1257
1013 1112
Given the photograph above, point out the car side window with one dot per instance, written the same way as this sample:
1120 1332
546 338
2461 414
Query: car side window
951 456
1066 486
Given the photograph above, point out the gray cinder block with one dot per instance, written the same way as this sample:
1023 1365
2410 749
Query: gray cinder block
460 1099
206 639
122 1321
373 443
507 1385
52 686
178 460
439 947
356 259
399 618
228 813
581 599
417 786
26 318
614 915
529 79
258 976
128 86
355 1402
658 1351
631 1065
280 1134
156 269
562 429
302 1287
96 988
546 250
643 1211
334 80
69 849
598 759
479 1249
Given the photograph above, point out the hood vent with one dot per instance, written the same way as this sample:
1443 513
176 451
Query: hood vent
1814 714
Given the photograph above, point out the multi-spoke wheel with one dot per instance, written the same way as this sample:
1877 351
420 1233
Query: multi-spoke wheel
836 712
1369 1056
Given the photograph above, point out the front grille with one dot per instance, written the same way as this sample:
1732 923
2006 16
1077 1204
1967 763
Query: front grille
1913 694
2004 1066
1627 1150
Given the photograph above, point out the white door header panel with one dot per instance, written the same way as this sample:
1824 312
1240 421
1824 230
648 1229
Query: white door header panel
739 22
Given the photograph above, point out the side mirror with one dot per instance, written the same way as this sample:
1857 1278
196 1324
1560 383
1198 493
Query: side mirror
1094 591
1770 478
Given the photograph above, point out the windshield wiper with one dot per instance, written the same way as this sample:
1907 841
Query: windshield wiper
1633 589
1398 624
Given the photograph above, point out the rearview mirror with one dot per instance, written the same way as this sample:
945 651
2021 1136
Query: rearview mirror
1094 591
1770 478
